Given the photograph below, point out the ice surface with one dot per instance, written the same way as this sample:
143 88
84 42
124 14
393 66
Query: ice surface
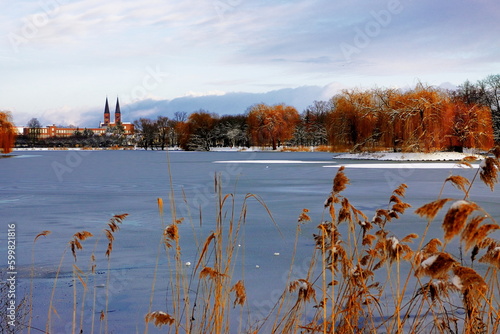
70 191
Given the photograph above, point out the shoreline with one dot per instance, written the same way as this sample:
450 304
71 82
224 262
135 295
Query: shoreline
372 156
384 156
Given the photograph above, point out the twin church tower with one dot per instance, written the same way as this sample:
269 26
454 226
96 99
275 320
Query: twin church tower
127 127
107 115
103 129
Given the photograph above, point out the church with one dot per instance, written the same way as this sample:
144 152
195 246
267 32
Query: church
55 131
127 127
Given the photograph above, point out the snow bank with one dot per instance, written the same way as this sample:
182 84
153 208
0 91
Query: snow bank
408 166
382 156
271 162
244 149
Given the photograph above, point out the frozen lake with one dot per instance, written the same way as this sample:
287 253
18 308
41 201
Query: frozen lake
70 191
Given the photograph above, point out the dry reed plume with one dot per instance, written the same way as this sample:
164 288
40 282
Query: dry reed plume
431 209
159 318
456 218
459 181
489 171
361 277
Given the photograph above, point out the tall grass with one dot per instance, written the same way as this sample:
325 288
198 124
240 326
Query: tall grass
361 277
208 291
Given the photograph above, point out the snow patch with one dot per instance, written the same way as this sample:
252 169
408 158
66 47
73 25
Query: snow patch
429 261
302 285
395 242
270 162
458 204
386 156
409 166
457 282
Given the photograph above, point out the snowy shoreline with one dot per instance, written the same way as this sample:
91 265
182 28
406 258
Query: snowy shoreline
435 156
379 156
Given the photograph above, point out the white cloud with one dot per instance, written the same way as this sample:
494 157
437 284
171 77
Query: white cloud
332 89
252 46
208 93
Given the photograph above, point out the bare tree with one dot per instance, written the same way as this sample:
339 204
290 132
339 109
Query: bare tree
35 130
163 131
180 116
146 132
490 92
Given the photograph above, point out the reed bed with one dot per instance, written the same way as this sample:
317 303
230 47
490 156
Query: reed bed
361 277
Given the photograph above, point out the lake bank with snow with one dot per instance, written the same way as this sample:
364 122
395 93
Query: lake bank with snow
381 156
414 156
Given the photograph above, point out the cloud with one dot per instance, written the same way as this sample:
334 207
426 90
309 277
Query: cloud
306 35
421 36
89 48
198 94
226 104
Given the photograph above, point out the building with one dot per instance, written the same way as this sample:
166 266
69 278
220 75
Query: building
127 126
104 127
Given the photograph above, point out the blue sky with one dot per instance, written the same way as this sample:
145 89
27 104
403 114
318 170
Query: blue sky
59 59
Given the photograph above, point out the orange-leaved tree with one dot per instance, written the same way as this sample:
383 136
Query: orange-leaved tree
471 127
352 122
421 119
7 132
272 124
199 126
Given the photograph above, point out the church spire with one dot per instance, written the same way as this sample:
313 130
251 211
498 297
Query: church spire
106 113
118 114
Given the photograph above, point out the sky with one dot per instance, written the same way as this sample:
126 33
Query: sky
60 59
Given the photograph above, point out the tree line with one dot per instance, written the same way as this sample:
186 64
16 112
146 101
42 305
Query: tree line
423 118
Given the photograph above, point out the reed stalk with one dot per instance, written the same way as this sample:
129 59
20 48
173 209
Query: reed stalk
351 298
48 326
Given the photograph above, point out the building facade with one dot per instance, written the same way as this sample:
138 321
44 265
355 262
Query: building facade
104 127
